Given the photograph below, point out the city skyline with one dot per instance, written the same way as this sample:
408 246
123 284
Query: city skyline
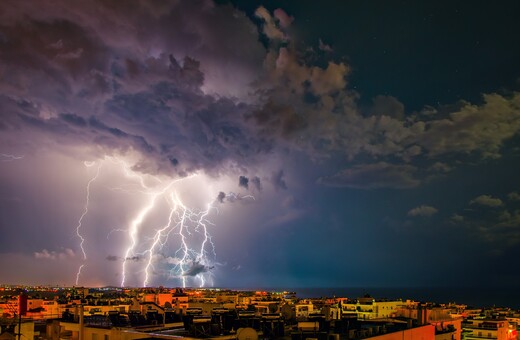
259 144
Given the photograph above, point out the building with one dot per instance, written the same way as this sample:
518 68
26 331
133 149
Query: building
367 308
488 329
426 332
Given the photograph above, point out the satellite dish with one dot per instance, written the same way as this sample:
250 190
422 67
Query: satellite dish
247 333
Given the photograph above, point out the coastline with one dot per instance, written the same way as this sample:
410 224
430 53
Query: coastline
478 297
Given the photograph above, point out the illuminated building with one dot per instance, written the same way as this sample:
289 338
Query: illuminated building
447 326
488 329
369 308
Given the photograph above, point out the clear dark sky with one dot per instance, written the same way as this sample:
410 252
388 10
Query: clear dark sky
335 143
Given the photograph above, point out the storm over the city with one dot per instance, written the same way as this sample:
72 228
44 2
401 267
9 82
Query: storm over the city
259 144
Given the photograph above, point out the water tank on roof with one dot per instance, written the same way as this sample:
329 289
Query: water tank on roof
247 334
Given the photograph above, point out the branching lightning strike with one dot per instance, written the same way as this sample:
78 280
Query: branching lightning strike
192 262
190 225
186 229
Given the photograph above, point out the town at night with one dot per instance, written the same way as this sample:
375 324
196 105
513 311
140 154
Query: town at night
44 312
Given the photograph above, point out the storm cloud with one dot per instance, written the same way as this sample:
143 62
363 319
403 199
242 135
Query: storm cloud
149 91
179 90
197 268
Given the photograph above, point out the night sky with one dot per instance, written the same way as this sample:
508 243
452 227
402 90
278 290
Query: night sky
319 143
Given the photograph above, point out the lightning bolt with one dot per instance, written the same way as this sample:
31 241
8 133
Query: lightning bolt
231 196
133 229
207 237
185 229
157 241
85 211
187 222
79 273
129 173
136 223
190 221
184 248
113 231
9 158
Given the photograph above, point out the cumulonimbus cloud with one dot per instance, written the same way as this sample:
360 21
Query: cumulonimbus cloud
153 91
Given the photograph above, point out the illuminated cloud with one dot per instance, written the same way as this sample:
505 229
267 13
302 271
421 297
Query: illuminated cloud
496 228
457 218
498 231
513 196
284 19
422 210
270 28
487 200
324 47
142 101
156 101
55 255
466 129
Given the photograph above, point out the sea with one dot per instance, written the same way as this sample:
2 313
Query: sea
471 296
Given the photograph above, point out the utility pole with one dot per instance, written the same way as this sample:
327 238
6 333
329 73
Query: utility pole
19 326
22 310
81 323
